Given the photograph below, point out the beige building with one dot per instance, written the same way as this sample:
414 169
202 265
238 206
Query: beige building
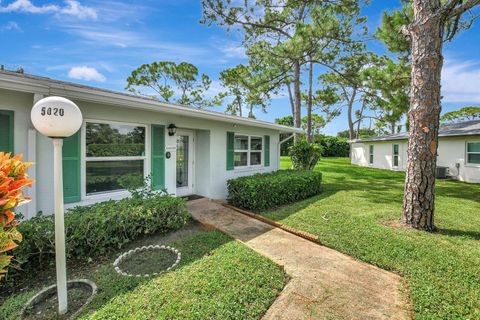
458 151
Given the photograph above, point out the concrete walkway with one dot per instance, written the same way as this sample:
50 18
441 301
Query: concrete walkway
325 284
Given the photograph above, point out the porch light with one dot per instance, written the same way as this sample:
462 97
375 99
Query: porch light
58 118
172 129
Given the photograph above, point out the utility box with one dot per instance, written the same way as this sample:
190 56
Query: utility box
442 173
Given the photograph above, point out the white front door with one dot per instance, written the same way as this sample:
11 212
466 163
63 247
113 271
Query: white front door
185 159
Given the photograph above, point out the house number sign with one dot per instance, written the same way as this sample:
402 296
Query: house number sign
56 117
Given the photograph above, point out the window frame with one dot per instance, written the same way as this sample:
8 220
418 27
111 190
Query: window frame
470 164
395 155
371 154
248 151
84 159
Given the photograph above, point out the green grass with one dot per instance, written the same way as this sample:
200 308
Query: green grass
218 278
442 269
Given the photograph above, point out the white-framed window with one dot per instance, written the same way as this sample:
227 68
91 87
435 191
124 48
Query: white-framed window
370 153
396 154
473 153
115 156
248 150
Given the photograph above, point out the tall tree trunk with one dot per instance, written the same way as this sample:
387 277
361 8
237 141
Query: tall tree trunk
290 96
419 196
393 127
239 106
297 117
250 113
309 104
351 129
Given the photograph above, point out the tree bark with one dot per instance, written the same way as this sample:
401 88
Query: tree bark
419 196
239 106
297 117
292 104
309 104
351 128
393 127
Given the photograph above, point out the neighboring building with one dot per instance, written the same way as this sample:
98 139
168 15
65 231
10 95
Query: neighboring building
458 150
125 138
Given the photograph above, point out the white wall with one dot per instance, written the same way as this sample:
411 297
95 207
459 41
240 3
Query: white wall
218 154
382 154
210 167
451 150
202 163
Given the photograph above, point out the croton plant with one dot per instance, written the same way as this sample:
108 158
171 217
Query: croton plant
13 177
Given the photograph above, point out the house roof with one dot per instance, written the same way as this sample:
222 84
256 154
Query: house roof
48 87
467 128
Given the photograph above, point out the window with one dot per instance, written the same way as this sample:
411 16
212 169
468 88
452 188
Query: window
473 152
370 150
395 155
248 150
115 157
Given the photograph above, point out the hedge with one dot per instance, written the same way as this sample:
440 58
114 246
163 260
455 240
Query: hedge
112 150
269 190
94 230
333 146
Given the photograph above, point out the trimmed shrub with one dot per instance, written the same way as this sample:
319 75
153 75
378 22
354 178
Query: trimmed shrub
94 230
304 155
269 190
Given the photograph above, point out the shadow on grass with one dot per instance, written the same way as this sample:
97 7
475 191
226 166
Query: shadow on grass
377 186
193 247
194 242
459 233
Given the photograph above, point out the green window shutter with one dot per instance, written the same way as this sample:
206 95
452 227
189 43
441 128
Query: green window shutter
158 157
230 150
6 131
71 168
266 152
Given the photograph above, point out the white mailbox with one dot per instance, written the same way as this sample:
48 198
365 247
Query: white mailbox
58 118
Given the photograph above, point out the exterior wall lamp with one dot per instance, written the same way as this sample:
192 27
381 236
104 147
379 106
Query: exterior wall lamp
172 129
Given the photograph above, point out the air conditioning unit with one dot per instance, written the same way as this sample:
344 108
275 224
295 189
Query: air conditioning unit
442 173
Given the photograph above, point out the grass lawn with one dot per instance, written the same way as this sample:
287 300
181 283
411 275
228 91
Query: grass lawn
218 278
354 215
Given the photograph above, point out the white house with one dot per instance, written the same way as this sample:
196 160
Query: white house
458 150
126 138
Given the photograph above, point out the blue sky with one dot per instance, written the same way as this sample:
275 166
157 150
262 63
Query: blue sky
99 43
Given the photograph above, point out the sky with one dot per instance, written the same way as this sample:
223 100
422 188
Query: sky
99 43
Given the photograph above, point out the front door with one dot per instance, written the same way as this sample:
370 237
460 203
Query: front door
185 157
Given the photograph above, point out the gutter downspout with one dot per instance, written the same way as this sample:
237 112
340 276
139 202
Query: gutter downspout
279 147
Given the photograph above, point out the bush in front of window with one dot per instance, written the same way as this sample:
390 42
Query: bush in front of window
95 230
304 155
269 190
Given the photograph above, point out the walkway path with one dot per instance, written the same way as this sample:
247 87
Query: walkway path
325 284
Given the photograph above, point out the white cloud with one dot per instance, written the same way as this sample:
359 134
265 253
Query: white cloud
11 26
460 81
71 8
86 73
74 8
233 50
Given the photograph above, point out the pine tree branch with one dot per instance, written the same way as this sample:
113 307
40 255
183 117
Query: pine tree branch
454 10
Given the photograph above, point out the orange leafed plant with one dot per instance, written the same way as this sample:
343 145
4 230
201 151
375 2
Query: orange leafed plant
13 177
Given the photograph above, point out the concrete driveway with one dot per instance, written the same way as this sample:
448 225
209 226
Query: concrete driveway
325 284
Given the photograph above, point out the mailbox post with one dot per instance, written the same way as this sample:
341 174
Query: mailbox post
58 118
